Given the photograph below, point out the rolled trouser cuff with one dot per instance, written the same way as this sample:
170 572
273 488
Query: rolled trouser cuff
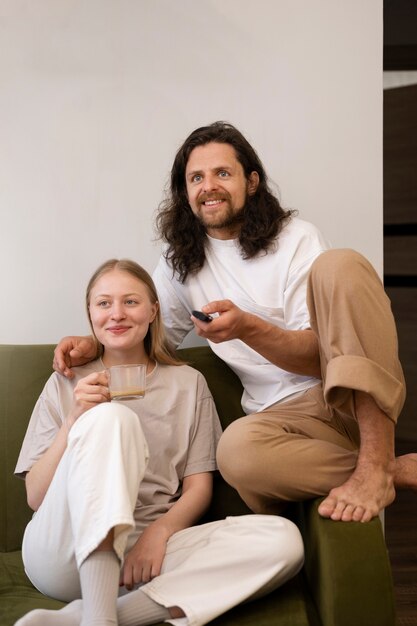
347 373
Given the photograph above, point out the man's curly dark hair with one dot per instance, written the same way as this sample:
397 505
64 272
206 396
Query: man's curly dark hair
262 218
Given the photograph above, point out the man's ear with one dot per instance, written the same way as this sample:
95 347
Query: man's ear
253 182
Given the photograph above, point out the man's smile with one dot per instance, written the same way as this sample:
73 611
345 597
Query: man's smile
212 202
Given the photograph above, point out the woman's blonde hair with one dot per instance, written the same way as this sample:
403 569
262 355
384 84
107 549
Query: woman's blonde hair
156 344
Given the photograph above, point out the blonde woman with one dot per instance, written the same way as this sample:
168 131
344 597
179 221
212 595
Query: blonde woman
117 487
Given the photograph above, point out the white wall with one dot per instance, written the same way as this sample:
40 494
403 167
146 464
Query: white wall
97 95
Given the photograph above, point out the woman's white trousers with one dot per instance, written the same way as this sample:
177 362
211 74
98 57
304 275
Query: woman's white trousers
207 569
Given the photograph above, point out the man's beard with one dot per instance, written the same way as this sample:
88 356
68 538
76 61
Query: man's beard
229 218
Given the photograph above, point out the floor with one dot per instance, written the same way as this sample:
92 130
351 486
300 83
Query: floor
401 538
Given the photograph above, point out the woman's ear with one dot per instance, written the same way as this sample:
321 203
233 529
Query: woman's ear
253 182
155 309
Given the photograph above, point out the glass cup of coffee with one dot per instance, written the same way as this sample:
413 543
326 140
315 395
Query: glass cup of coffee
127 382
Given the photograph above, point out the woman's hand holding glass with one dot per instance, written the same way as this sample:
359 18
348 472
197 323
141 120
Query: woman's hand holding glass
88 392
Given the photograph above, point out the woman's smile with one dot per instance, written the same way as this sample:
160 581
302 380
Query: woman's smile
118 330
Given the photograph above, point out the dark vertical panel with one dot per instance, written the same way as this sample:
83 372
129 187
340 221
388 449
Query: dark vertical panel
400 155
404 307
400 240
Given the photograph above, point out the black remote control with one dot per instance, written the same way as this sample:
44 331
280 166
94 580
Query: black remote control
202 316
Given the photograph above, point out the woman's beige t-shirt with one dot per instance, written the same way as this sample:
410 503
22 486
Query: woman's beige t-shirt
178 418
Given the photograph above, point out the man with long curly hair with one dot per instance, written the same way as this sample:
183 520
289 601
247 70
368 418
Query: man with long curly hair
308 330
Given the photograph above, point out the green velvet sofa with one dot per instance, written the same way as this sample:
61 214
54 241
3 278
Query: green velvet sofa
346 580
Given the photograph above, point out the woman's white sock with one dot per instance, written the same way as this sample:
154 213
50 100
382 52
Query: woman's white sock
137 609
99 578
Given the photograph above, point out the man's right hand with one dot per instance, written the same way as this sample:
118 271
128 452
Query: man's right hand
73 351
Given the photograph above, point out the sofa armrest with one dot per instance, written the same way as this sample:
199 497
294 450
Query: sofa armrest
347 569
24 370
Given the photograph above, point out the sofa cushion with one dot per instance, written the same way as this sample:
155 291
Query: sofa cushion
17 594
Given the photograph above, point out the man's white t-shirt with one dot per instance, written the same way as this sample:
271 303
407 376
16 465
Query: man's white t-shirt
272 285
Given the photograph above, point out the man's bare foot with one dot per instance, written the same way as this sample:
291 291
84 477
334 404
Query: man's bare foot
361 497
405 476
